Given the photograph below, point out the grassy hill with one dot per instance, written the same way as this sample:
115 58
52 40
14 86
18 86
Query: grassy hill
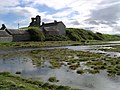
76 34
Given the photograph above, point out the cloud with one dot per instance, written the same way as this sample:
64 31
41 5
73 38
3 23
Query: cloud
97 15
107 4
64 13
55 4
75 23
9 3
25 11
107 16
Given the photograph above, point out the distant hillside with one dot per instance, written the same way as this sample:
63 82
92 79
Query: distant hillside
116 34
76 34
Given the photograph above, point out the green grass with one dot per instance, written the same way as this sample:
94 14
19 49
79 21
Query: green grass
38 44
115 48
34 44
80 71
53 79
57 58
74 34
10 82
72 59
36 34
77 34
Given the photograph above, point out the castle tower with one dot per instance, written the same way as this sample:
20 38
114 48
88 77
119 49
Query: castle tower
35 21
38 20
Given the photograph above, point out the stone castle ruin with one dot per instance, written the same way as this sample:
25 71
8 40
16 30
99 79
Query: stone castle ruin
3 27
49 29
13 35
35 21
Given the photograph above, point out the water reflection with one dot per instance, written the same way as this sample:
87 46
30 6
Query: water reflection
15 63
24 64
95 48
67 77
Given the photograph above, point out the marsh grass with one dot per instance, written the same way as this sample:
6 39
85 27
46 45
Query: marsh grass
69 58
72 59
113 49
80 71
10 82
95 61
37 44
53 79
58 58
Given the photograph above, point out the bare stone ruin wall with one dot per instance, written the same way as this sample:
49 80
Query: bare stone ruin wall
15 38
61 29
18 38
6 39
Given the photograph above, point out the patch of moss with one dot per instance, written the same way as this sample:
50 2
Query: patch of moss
80 71
10 82
53 79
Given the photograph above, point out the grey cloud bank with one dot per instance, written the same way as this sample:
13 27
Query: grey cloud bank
97 15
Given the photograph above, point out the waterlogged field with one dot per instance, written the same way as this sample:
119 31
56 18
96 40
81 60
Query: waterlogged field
82 67
10 82
90 67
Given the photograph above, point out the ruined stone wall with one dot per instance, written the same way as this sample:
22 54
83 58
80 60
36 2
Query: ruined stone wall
35 21
61 27
51 33
17 38
6 39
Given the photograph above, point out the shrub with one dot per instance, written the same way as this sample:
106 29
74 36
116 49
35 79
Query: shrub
36 34
53 79
45 85
5 73
18 72
63 88
80 71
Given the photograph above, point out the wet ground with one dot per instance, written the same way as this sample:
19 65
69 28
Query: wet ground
24 64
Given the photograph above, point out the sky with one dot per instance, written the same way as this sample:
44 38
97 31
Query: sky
95 15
